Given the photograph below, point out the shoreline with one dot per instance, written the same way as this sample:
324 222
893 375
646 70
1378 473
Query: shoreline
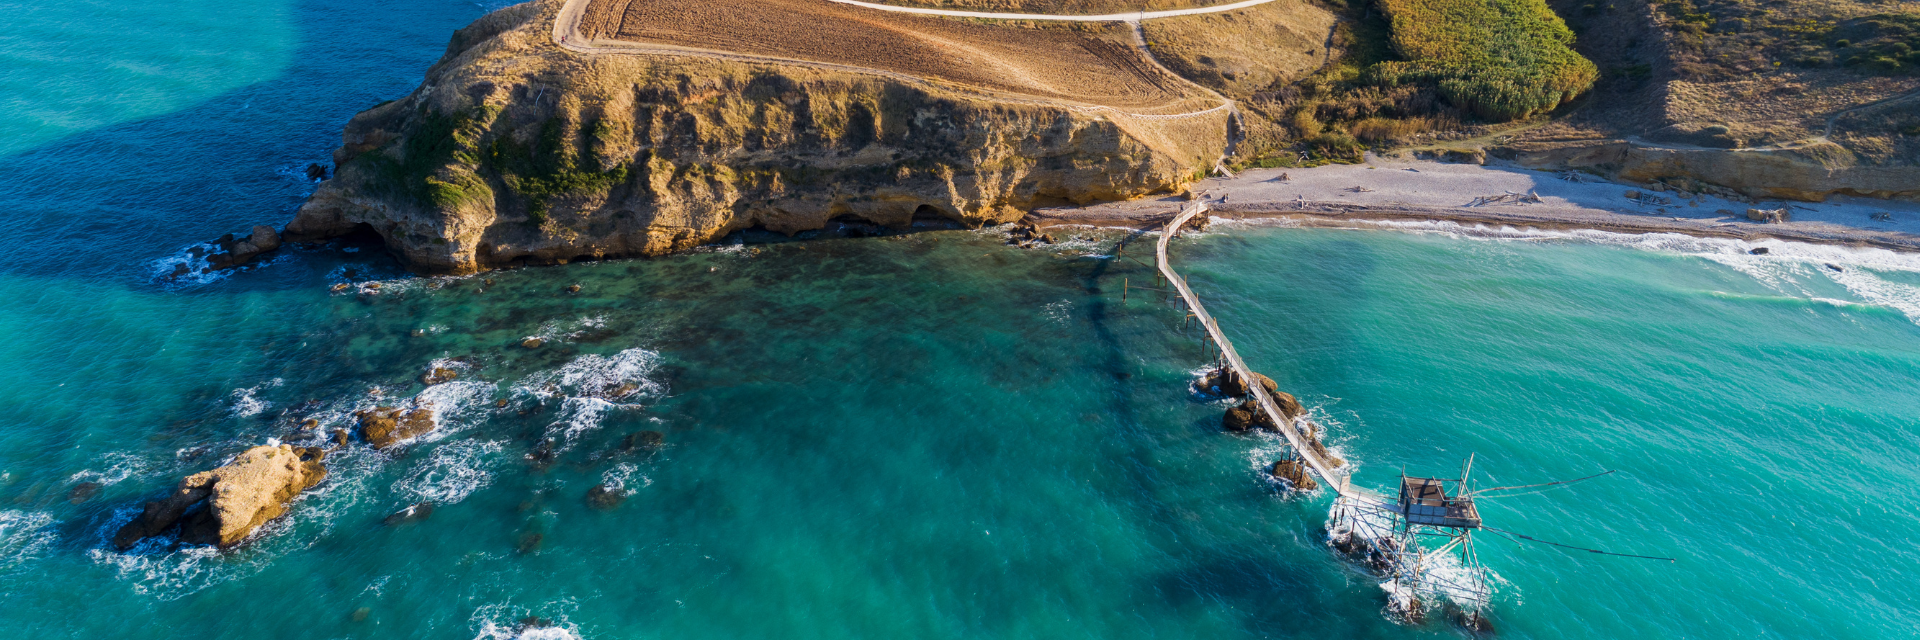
1409 191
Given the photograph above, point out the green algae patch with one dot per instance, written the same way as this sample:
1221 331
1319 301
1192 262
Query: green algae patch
1500 59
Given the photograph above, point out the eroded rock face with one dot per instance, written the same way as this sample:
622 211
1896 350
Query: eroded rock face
517 151
235 499
1810 173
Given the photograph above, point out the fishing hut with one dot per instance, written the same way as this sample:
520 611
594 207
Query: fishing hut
1421 540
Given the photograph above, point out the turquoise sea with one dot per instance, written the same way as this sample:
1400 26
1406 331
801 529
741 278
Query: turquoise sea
930 435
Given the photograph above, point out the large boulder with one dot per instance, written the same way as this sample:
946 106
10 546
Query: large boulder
239 497
384 426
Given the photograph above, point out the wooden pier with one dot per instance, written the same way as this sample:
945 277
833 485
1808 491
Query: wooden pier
1292 429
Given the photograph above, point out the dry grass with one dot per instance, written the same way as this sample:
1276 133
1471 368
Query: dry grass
1061 64
1242 52
1080 7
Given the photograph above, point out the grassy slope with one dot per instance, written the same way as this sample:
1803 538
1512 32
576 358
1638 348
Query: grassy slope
1501 59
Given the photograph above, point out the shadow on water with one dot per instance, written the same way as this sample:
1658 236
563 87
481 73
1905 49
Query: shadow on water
104 203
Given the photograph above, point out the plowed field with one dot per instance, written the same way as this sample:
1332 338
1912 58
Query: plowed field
1055 64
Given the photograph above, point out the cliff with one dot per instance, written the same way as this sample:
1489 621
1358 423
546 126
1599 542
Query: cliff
515 150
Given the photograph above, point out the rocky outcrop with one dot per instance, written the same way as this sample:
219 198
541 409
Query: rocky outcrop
516 151
232 500
229 252
1810 173
385 426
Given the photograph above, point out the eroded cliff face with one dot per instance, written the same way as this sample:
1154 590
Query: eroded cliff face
514 150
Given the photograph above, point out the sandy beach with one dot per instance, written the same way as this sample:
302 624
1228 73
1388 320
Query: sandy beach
1403 190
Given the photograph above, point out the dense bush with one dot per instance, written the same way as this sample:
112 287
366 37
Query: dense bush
1501 59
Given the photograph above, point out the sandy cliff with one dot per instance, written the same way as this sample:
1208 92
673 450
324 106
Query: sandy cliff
516 150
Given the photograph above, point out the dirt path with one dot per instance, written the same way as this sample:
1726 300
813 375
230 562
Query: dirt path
1059 69
1111 17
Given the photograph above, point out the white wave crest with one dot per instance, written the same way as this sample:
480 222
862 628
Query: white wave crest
452 472
120 465
246 401
24 536
509 622
620 478
591 386
1789 268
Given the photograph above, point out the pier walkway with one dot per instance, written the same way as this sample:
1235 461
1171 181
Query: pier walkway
1289 428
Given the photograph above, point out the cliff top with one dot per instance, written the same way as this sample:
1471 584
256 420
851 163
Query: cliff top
1089 64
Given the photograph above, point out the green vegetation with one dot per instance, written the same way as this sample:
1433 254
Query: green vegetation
438 140
1728 38
553 166
1500 59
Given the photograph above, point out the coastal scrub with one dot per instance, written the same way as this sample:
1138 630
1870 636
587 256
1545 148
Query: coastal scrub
1500 59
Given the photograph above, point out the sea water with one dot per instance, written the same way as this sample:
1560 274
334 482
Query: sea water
930 434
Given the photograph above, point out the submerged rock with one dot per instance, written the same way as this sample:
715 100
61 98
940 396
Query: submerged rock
83 492
606 495
532 343
529 542
643 441
413 513
438 375
384 426
238 497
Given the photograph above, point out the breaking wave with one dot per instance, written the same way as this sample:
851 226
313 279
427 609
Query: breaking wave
451 473
24 536
590 387
1794 269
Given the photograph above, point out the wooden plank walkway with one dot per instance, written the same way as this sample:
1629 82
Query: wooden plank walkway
1290 428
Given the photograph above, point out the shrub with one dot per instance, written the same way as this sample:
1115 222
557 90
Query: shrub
1500 59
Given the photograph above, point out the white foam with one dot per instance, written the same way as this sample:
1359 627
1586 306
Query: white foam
567 330
501 622
591 386
451 473
1789 268
24 536
246 401
620 478
120 465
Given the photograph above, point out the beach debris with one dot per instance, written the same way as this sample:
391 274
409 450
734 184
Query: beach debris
1579 177
1511 197
254 489
1413 169
1647 199
1757 251
1359 189
1836 268
1283 177
1770 216
1882 216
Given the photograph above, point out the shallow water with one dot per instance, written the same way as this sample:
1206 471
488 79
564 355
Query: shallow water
931 434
